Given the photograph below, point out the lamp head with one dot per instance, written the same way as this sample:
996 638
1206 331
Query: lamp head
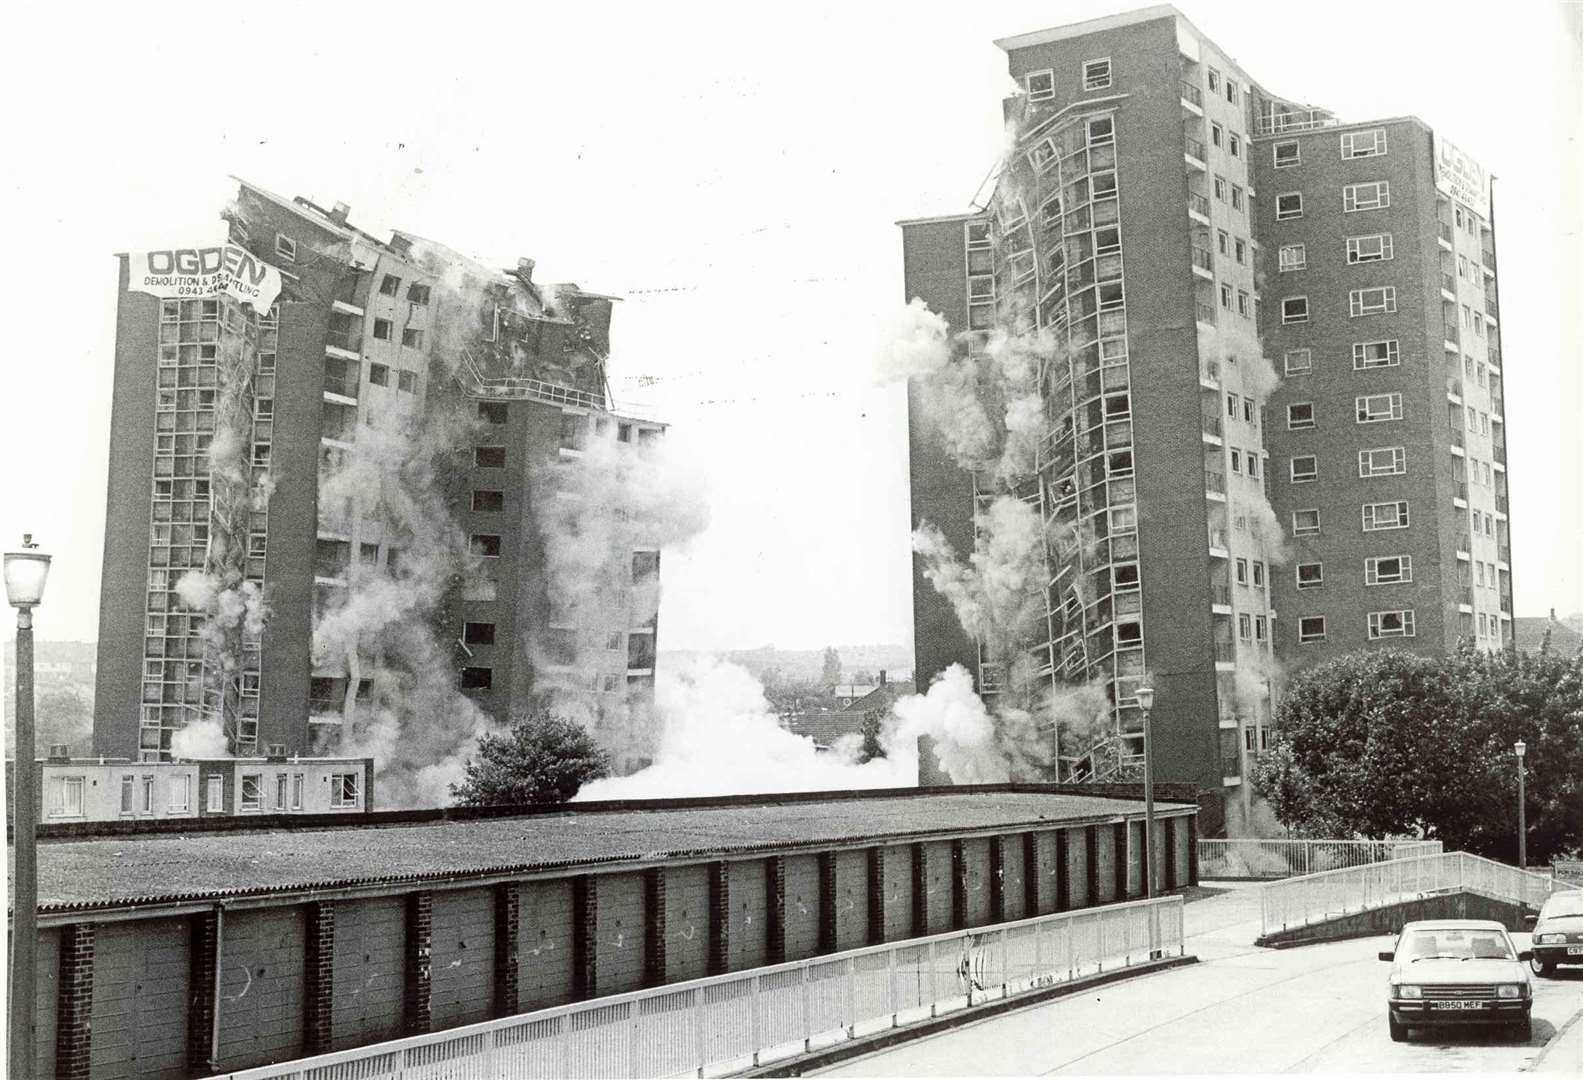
25 573
1146 698
1521 748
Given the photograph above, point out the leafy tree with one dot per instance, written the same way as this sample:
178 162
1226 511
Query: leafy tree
790 698
830 675
542 758
871 728
1387 743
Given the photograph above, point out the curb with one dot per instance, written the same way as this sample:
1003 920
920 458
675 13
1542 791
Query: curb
868 1044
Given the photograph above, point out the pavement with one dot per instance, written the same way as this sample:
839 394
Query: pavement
1318 1008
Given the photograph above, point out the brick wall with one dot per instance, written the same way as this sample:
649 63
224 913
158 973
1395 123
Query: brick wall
320 968
68 1050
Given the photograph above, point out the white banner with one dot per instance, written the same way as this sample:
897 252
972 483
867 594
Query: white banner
1462 178
189 273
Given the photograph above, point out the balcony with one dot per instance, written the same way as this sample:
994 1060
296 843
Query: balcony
1225 652
1494 356
1448 284
1274 123
1488 259
1453 334
1199 205
1506 603
1209 374
1459 488
1446 235
1196 155
1465 596
1220 595
1215 482
1204 313
1454 389
1457 439
1504 553
1217 542
1193 97
1212 428
1464 543
1489 309
1502 504
1500 455
1204 262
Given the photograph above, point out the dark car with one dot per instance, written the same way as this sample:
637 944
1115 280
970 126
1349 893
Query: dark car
1457 971
1558 932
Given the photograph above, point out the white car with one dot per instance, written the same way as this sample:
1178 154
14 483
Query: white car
1558 932
1458 971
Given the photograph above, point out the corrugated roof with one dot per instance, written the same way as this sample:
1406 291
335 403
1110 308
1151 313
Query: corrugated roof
171 868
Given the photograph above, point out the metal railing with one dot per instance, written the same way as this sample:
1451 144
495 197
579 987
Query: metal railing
1316 898
1215 481
1195 149
1445 232
1204 313
1193 94
535 389
1203 259
1197 203
1448 283
1212 426
1273 123
1273 859
1209 371
1220 594
730 1022
1225 652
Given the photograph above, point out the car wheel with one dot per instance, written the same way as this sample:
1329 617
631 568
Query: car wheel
1398 1029
1524 1029
1545 968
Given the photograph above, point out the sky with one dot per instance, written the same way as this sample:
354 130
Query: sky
735 172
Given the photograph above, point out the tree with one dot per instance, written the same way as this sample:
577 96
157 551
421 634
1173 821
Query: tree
542 758
830 675
1389 743
872 721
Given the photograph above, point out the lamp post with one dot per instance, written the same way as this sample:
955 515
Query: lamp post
1522 806
1146 703
25 572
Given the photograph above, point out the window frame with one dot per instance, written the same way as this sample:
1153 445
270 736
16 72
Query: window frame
1299 260
1275 154
1282 215
1392 354
1406 619
1356 255
1358 308
1365 414
1349 196
1307 477
1305 530
250 804
1371 570
1367 470
1039 95
1299 425
1306 636
1308 358
340 784
1372 520
1287 317
1349 144
1091 80
285 247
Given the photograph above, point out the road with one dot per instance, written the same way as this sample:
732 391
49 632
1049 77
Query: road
1319 1008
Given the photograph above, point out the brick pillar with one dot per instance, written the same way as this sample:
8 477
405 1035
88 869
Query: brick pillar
508 900
1031 877
876 895
420 959
719 918
1168 832
1192 850
654 926
920 890
1091 839
775 889
958 885
827 895
585 936
1063 870
316 1036
1118 833
74 1006
997 879
204 968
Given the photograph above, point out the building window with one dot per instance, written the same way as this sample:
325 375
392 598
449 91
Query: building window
1371 301
1386 515
1234 144
1236 197
418 294
407 382
1245 627
485 544
1214 81
1383 624
1242 571
1310 575
1356 144
214 795
1041 85
378 375
1373 354
477 678
1288 153
382 329
1217 134
345 789
1096 75
412 339
1231 90
645 564
489 457
1294 309
1288 206
1242 252
1293 257
1373 408
389 285
1236 461
1253 464
1305 468
180 794
127 794
281 782
1305 522
1310 628
1375 195
1299 361
489 502
296 791
1299 414
1220 188
252 791
1225 296
1101 131
1382 461
1261 628
492 412
285 247
1242 302
1377 247
1388 570
1258 573
478 633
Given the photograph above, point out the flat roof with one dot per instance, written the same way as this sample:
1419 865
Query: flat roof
1089 26
171 867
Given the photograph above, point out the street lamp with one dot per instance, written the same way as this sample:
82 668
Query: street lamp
25 573
1146 702
1522 807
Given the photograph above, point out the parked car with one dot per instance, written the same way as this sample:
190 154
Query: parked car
1457 971
1558 932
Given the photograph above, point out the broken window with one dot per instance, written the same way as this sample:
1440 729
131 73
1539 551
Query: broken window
477 678
412 339
489 457
478 633
382 329
389 285
489 502
645 564
407 381
378 375
485 544
418 294
492 412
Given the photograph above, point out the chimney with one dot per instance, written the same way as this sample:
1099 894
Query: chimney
1552 614
59 752
525 267
882 676
339 212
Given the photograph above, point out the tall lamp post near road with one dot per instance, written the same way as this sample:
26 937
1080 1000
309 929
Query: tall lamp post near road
1146 703
25 572
1522 806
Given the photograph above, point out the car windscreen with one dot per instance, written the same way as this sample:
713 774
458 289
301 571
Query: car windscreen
1567 903
1454 945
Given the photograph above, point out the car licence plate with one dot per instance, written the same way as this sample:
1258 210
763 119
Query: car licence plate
1575 950
1456 1004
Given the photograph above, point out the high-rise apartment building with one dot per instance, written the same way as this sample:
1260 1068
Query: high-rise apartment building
1204 523
371 510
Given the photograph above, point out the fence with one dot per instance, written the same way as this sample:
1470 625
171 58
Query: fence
1302 901
729 1022
1235 859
